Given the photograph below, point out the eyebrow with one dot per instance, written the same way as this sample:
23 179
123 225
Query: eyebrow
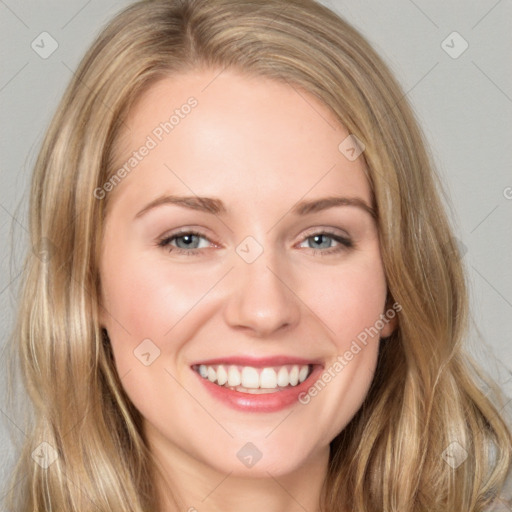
217 207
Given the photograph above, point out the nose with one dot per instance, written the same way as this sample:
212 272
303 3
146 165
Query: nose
262 301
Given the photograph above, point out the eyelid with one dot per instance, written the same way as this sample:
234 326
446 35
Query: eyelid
306 234
344 241
188 230
161 241
327 230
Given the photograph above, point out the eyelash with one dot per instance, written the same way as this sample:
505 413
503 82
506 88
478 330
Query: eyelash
344 243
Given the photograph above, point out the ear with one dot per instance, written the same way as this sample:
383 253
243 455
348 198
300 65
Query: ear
389 328
390 317
102 312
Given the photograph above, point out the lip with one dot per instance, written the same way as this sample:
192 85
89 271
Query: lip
259 362
267 402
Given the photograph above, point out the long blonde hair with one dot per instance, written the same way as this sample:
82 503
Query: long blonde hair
426 395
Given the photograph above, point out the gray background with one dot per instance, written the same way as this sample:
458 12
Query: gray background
464 106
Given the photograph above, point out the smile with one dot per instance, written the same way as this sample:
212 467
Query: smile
249 379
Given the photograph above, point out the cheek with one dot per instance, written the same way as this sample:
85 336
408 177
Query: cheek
348 300
144 303
149 299
350 307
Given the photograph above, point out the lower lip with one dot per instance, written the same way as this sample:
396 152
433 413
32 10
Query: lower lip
265 402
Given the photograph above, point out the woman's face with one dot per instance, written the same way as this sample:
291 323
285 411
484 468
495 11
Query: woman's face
274 276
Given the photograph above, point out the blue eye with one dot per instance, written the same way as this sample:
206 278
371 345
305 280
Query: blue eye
188 242
321 238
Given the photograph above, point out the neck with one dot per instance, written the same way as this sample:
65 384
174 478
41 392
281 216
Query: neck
186 484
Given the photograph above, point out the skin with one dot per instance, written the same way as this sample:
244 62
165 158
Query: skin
260 147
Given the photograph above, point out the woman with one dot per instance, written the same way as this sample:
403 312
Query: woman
264 371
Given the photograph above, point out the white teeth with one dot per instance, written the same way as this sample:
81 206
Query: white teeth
234 378
303 373
282 377
248 378
294 376
212 374
222 376
268 378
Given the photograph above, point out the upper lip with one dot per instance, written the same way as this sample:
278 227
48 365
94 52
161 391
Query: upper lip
258 362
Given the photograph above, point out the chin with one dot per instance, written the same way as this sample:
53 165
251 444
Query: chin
257 460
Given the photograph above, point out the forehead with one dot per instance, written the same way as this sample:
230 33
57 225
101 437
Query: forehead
216 133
